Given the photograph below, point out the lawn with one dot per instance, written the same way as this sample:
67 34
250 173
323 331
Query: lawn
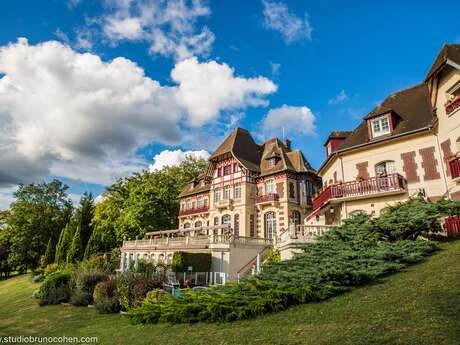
418 306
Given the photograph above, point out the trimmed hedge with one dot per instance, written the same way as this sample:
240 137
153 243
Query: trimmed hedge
55 288
200 262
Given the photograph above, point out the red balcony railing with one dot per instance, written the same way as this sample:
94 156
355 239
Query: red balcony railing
373 185
454 165
452 106
267 198
452 226
194 210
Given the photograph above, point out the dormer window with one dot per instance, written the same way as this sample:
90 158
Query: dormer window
380 126
271 162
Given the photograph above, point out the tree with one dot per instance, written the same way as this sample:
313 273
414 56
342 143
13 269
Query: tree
75 253
84 215
39 212
64 243
5 245
49 253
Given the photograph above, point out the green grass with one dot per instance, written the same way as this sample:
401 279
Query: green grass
418 306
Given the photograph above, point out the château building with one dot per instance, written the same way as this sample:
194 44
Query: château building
408 145
258 189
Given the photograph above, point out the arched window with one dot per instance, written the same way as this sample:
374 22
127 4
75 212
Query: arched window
186 225
236 221
386 167
152 258
296 217
216 220
270 224
169 259
291 190
226 219
161 258
198 224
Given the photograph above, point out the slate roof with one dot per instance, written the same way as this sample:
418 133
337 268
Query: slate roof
254 157
448 52
412 110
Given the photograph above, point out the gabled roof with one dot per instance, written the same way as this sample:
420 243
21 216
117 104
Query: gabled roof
414 111
377 111
241 145
449 52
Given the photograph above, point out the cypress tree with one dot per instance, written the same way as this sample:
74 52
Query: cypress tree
75 252
49 253
65 240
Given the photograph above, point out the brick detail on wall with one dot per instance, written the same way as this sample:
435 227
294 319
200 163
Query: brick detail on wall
455 196
362 170
429 164
409 166
446 154
280 189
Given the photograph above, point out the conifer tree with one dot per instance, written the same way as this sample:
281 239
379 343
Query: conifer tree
49 253
75 252
64 243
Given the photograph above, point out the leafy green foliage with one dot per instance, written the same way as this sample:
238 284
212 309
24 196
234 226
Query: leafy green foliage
362 250
143 202
55 288
64 243
37 214
200 262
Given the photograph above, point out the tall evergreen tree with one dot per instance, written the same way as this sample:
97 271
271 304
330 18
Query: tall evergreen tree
84 216
49 253
75 253
64 243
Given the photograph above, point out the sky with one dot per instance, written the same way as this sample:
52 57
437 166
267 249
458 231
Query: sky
91 91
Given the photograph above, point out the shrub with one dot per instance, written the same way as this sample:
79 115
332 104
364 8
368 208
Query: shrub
132 288
200 262
362 250
105 299
51 268
55 288
83 283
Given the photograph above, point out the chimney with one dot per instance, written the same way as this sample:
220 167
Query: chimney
287 143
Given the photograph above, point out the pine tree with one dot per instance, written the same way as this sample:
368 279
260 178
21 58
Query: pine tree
84 217
49 253
65 240
75 252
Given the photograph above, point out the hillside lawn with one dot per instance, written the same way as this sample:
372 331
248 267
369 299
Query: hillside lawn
418 306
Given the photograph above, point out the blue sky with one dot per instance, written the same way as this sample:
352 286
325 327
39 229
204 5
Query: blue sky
310 66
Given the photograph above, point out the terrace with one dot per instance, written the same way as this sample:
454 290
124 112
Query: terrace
267 198
374 186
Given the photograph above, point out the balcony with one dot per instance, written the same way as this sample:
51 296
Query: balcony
223 203
195 210
267 198
375 186
454 165
452 106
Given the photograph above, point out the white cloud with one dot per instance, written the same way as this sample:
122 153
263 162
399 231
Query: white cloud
294 121
73 115
278 17
170 158
340 98
207 88
169 27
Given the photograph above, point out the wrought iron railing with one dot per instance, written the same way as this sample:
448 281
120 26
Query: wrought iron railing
270 197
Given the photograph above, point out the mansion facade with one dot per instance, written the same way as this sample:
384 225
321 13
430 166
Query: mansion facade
408 145
256 189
